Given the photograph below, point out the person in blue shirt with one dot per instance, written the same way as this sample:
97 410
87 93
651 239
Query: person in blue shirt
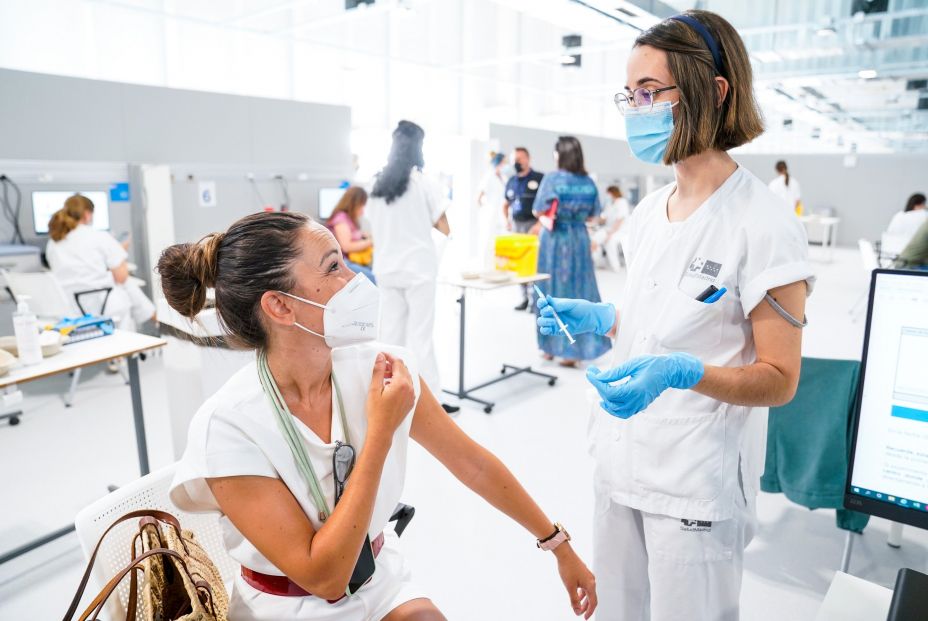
564 251
520 200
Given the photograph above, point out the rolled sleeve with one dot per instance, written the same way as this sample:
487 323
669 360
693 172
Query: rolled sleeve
215 448
776 276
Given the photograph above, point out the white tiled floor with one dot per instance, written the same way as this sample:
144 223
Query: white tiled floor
474 562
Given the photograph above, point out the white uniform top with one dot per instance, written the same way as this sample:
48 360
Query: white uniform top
905 223
616 210
404 253
789 194
236 433
84 258
680 457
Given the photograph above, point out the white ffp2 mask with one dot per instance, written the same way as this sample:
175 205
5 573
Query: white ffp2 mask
351 316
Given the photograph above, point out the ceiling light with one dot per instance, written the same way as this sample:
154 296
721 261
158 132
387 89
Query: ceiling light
866 74
826 31
567 59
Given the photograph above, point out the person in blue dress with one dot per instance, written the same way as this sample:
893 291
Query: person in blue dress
564 251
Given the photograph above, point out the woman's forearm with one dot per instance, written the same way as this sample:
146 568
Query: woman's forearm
760 384
493 481
335 547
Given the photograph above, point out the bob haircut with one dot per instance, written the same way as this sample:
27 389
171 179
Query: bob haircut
702 123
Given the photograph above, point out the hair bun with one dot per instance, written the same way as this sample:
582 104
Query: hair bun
187 271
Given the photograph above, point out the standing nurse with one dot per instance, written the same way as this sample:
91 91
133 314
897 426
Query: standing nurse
707 339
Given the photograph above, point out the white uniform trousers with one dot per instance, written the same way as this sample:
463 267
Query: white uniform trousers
408 320
658 568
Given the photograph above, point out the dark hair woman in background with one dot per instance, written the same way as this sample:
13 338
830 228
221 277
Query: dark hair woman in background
404 207
564 251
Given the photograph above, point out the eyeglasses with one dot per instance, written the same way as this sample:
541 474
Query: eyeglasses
641 99
342 465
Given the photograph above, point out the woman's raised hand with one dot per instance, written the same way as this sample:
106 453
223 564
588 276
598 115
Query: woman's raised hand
391 396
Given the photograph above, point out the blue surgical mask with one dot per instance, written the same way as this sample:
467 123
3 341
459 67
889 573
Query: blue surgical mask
649 132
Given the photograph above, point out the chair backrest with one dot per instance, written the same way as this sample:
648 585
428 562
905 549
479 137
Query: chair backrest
47 298
892 244
148 492
868 255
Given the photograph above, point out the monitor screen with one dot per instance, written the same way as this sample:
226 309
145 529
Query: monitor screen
328 199
45 203
889 459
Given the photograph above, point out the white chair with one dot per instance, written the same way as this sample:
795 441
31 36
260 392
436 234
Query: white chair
892 245
47 298
149 492
870 262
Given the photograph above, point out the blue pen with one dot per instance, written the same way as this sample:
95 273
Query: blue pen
716 296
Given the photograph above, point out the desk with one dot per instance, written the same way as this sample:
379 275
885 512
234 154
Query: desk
829 226
84 354
853 599
507 371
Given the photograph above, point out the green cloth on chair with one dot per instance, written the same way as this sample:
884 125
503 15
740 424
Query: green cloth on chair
809 440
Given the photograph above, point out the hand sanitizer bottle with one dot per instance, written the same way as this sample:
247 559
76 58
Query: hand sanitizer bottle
26 328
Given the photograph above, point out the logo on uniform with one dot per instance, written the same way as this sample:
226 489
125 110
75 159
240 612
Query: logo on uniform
510 193
695 526
532 185
703 269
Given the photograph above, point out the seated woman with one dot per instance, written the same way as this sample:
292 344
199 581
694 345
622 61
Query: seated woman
83 258
262 450
906 222
345 224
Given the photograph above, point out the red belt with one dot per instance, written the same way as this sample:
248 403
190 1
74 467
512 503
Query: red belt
282 585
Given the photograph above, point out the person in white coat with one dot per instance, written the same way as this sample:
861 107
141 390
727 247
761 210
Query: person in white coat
403 208
302 453
707 338
906 222
490 198
786 187
83 258
608 237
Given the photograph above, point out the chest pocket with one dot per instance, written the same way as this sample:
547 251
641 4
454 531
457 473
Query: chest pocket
686 324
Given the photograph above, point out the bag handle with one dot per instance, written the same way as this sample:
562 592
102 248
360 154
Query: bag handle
96 606
162 516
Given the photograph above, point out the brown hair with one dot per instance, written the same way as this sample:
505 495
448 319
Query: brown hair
570 155
914 201
702 123
353 199
69 216
781 168
614 190
255 255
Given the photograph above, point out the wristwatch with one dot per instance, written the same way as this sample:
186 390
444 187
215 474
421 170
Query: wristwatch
552 541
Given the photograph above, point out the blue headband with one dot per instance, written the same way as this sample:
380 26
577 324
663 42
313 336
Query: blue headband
703 32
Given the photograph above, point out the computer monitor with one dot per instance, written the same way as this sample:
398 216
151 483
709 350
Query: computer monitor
45 203
888 470
328 199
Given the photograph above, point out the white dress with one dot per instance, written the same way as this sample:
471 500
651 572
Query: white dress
490 222
789 194
905 223
82 261
406 267
675 484
236 433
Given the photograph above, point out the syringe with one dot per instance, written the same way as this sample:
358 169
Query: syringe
560 324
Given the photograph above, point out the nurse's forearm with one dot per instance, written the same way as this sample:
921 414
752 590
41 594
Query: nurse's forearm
760 384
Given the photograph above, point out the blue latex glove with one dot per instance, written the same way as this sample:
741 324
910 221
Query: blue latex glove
648 377
580 316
